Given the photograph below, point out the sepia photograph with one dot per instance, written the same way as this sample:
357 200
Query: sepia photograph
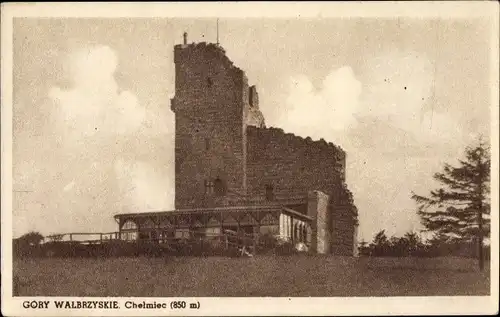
158 157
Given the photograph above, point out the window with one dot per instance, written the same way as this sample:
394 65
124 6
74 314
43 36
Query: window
269 192
250 97
216 187
129 225
212 232
128 236
210 82
182 234
269 230
165 235
220 188
129 231
148 224
207 144
209 187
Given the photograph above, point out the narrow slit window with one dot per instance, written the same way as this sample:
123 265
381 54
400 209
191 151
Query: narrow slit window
220 187
209 187
207 144
269 192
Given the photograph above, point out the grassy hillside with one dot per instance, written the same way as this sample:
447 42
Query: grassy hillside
259 276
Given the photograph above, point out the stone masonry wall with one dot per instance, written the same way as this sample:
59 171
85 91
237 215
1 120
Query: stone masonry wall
291 164
209 107
344 225
317 208
221 134
294 166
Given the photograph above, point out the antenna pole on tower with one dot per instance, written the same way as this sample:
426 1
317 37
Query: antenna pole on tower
217 31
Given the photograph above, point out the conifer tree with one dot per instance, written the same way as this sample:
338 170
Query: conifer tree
380 245
461 207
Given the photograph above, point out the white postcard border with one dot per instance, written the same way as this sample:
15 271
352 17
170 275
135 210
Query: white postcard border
250 306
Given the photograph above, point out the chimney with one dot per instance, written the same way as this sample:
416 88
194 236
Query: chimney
185 38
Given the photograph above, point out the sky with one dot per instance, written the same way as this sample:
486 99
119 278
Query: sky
93 131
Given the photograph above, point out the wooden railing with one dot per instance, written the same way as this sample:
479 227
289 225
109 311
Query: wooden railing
73 237
228 238
110 236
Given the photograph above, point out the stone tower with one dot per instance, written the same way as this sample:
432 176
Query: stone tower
212 105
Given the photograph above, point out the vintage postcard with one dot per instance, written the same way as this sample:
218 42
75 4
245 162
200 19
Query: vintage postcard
250 159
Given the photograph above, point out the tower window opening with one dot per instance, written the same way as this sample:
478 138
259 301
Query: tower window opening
250 97
220 188
207 144
269 192
209 187
210 82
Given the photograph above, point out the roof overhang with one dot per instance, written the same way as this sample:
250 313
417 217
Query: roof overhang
234 209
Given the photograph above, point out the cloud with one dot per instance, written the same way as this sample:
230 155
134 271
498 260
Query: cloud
400 90
143 187
397 88
95 104
384 118
108 126
77 164
333 105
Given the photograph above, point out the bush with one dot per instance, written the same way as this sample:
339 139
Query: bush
109 249
411 245
270 244
28 245
285 248
233 252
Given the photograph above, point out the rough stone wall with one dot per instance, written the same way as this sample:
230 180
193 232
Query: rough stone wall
221 134
320 228
294 166
343 225
291 164
209 107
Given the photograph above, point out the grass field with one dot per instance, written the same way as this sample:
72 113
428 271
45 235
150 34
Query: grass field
259 276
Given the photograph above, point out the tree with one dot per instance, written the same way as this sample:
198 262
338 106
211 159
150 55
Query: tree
398 246
439 244
27 244
460 208
31 238
55 237
380 244
413 242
